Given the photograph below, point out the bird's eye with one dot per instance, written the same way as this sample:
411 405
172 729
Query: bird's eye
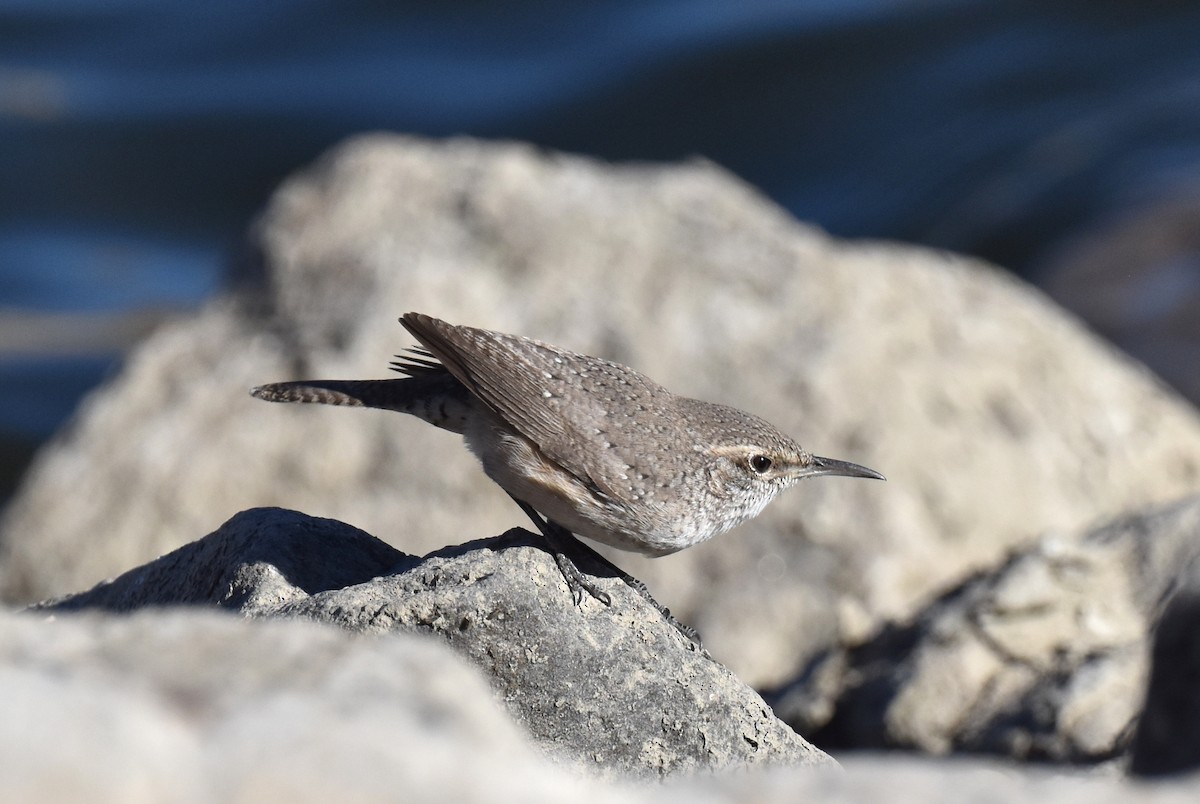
760 463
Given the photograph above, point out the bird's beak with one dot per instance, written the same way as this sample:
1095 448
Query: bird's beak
830 466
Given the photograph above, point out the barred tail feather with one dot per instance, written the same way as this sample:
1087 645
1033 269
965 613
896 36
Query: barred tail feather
435 397
323 392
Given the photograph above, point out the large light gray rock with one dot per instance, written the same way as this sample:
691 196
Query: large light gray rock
195 706
609 689
996 417
1044 657
900 779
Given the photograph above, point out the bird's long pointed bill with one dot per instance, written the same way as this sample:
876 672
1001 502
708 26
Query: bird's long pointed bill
832 466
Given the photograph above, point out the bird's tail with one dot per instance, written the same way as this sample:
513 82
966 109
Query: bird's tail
437 398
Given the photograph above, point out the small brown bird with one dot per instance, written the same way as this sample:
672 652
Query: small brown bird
597 448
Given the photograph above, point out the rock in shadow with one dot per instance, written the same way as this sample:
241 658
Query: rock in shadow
258 559
1168 733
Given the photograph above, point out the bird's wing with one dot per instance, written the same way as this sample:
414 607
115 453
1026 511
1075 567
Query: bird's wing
560 401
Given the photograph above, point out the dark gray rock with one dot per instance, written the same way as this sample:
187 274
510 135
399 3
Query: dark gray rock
615 689
1042 657
1168 732
258 561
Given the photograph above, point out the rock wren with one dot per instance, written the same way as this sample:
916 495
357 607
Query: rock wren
597 448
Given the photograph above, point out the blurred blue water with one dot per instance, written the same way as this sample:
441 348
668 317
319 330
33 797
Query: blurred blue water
82 267
138 138
70 377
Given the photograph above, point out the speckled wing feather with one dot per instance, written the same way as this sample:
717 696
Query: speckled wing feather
559 400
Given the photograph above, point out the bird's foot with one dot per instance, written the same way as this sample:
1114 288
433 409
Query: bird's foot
565 547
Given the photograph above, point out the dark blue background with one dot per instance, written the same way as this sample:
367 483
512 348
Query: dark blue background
138 138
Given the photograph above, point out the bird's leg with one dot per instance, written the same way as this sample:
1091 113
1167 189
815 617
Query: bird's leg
562 543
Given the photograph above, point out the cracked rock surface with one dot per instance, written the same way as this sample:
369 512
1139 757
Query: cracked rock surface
611 689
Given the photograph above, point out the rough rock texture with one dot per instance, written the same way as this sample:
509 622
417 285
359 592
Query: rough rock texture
1043 657
612 689
192 706
996 417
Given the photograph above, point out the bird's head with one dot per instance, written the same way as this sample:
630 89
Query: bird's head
749 461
